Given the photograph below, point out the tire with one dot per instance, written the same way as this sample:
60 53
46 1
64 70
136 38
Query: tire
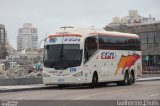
130 79
60 86
119 83
94 81
101 84
133 80
126 80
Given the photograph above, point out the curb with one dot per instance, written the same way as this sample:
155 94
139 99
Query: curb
17 90
36 87
148 79
20 81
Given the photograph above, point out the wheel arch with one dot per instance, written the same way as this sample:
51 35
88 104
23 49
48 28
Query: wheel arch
96 74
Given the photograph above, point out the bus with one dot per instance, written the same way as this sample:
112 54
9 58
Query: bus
91 56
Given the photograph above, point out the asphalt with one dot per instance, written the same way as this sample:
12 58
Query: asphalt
145 93
17 88
147 90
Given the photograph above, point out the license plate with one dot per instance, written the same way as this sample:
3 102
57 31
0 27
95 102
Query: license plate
60 80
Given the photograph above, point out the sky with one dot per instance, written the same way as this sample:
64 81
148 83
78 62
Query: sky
49 15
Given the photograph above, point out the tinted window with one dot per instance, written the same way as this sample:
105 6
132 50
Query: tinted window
62 56
90 46
118 43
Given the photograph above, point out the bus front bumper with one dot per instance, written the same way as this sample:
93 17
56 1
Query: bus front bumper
58 80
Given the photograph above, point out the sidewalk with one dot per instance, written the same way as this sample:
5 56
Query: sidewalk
150 75
42 86
23 88
148 79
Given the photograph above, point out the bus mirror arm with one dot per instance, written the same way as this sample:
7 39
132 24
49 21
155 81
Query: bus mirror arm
85 61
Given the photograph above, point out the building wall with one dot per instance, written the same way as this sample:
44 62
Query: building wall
30 55
2 34
27 37
3 39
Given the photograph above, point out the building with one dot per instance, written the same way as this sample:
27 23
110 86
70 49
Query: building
30 55
149 31
3 34
3 39
27 37
132 18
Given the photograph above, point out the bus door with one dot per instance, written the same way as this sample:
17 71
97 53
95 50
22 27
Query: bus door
91 53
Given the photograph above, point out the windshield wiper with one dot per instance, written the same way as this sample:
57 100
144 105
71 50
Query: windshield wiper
69 64
54 63
59 57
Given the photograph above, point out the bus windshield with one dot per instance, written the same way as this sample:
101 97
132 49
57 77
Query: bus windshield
62 56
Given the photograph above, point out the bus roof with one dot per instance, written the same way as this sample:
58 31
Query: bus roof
87 31
111 33
59 35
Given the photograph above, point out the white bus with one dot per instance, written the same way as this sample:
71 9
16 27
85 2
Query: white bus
91 56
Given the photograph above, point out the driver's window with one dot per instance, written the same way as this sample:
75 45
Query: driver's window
90 47
45 57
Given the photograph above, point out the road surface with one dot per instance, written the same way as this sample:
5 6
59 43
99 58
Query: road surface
149 90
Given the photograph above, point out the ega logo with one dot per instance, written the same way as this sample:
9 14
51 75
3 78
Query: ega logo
108 55
72 39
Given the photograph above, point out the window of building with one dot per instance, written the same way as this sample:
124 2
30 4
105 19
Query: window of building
2 40
144 40
157 40
143 36
150 46
1 31
151 40
158 34
144 46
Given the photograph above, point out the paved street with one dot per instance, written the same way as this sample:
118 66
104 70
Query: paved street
148 90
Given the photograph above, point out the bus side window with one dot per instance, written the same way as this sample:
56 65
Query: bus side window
90 47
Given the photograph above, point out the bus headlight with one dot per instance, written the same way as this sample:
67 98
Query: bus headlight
78 74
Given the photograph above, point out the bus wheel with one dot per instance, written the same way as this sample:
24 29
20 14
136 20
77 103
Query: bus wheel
101 84
133 77
94 81
126 79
